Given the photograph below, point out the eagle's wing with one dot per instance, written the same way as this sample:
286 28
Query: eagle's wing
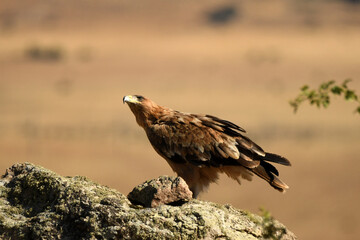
205 140
200 140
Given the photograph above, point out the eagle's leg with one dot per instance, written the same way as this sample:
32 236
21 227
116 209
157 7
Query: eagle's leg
195 190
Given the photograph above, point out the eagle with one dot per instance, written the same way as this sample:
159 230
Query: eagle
199 147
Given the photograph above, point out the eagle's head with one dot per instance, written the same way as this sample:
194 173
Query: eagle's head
136 103
142 107
133 99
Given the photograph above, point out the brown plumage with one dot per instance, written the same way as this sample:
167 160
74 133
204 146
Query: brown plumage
199 147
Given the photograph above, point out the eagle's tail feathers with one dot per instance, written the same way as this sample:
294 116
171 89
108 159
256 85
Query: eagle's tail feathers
268 175
271 157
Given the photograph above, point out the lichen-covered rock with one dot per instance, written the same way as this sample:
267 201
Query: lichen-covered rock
163 190
36 203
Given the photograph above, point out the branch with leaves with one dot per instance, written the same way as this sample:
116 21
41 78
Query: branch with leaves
321 96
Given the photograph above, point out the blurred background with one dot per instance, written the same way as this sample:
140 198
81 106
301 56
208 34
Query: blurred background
65 66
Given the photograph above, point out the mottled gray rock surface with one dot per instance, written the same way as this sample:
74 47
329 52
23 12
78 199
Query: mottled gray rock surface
36 203
160 191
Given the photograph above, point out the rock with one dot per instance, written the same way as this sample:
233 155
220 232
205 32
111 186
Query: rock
36 203
163 190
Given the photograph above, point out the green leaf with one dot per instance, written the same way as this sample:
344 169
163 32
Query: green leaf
326 85
311 94
323 85
326 101
350 95
346 81
295 105
336 90
358 110
325 104
304 88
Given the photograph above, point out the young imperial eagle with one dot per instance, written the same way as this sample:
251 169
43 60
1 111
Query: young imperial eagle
199 147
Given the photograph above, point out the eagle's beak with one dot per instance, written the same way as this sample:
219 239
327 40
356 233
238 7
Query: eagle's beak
130 99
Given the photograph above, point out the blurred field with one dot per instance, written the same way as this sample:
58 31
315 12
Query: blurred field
66 113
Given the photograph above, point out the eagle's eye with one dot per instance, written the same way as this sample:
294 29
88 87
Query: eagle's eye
139 98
